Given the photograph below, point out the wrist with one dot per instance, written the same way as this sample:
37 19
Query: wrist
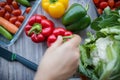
43 77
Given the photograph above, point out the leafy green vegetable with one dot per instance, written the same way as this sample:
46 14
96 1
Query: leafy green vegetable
107 19
100 54
100 59
111 30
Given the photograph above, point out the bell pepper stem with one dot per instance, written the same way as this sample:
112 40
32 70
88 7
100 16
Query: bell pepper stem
53 1
87 5
36 28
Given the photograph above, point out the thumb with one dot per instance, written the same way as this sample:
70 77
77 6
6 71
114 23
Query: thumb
75 41
58 42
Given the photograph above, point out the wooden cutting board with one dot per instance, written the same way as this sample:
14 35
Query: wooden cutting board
34 52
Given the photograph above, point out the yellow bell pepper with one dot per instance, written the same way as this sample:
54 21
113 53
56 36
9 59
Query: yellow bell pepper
55 8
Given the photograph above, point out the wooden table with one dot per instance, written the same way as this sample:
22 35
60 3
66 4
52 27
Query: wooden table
34 52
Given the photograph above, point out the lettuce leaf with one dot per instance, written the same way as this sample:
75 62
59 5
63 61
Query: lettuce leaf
100 60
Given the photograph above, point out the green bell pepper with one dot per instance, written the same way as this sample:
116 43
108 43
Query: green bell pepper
76 18
80 24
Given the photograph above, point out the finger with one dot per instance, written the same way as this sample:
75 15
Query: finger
58 42
75 41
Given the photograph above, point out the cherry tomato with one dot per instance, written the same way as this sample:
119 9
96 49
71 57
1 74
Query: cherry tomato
113 9
59 31
16 12
28 10
102 0
2 12
9 1
21 18
7 16
111 3
18 23
8 8
13 19
99 11
15 5
103 5
51 39
117 4
2 4
68 33
96 1
83 77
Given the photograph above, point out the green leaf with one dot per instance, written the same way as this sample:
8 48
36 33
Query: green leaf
107 19
105 69
115 30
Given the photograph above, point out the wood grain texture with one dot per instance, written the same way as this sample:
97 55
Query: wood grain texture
34 52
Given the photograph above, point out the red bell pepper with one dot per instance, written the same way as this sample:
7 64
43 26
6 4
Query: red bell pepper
39 28
58 31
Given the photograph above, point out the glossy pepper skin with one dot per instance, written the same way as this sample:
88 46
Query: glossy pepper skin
80 24
39 28
55 8
58 32
76 18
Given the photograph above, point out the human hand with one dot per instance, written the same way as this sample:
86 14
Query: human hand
60 60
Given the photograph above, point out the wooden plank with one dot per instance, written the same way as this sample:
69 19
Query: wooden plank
34 52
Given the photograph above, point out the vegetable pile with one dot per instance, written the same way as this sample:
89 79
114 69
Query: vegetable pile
11 17
40 29
100 55
11 12
107 19
102 4
59 32
75 19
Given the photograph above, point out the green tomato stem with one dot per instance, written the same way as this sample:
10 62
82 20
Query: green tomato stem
68 37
